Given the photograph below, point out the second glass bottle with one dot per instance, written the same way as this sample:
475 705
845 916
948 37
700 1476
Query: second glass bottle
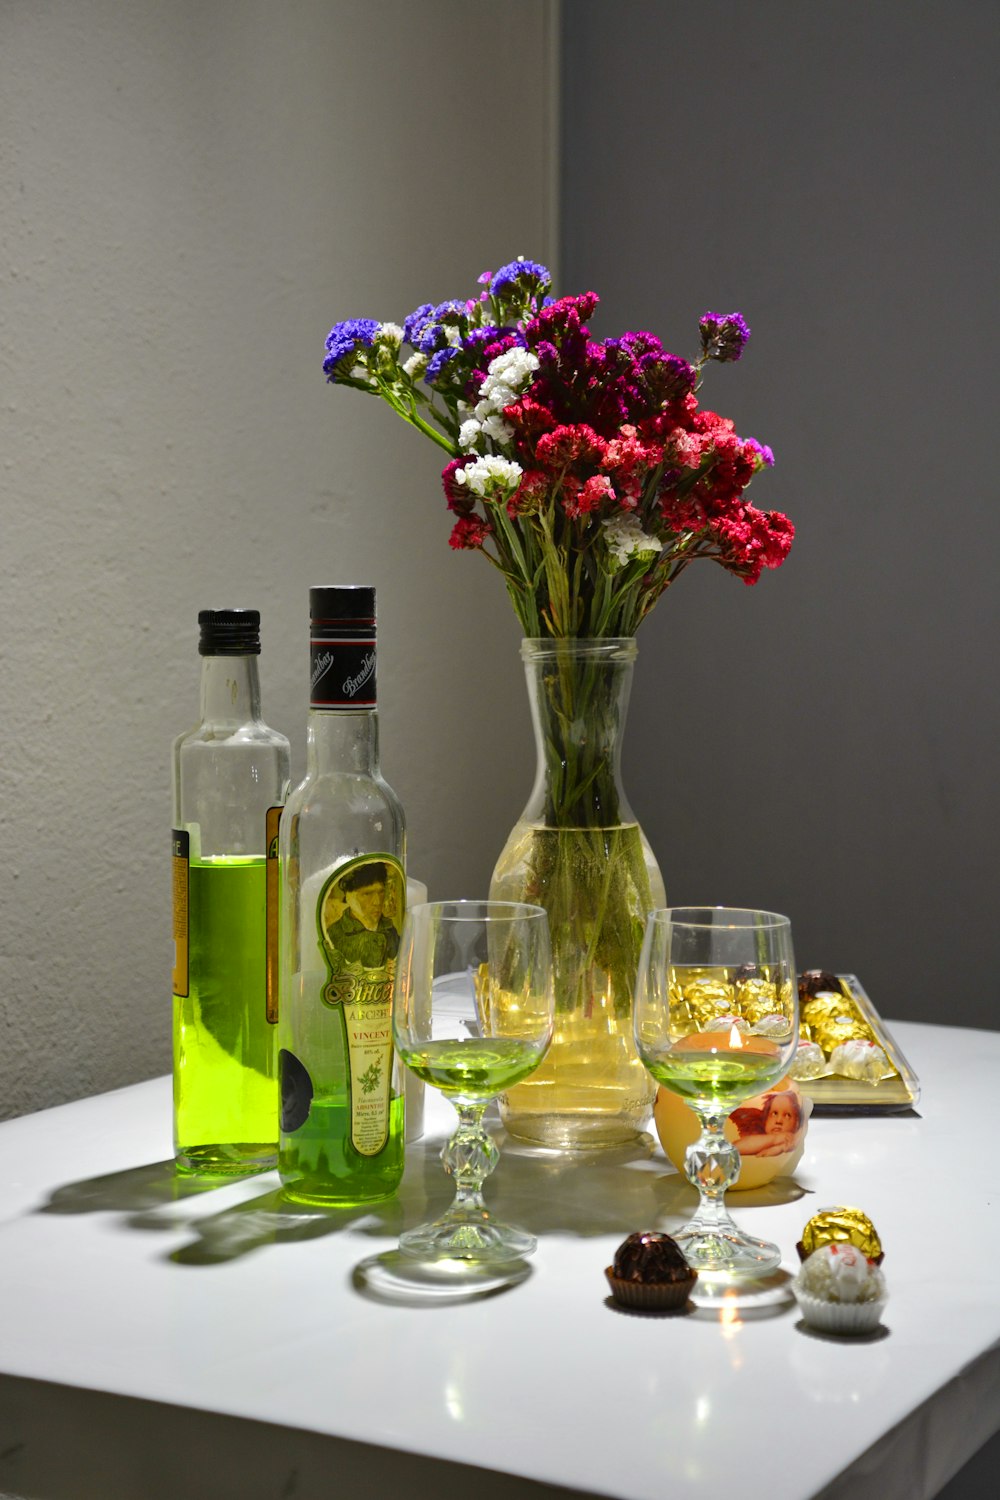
342 853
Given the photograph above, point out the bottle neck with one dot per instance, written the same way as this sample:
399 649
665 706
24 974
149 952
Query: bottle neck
230 690
342 740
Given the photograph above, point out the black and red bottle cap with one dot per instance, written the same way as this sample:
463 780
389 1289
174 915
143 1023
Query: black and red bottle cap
342 646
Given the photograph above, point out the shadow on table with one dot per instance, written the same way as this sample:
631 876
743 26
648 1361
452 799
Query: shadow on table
151 1186
585 1193
606 1192
272 1219
405 1282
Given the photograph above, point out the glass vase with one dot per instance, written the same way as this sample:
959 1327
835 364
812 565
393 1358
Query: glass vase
578 851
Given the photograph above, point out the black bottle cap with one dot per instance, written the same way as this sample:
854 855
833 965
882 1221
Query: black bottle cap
229 632
341 604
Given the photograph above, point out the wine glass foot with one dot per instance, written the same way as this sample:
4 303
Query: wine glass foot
477 1238
727 1252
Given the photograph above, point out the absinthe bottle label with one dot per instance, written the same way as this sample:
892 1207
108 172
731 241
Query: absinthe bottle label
341 1099
359 916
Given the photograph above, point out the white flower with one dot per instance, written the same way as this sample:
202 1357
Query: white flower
506 377
496 428
415 366
468 435
389 336
492 477
625 539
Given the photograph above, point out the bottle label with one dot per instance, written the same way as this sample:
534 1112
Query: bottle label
180 842
359 915
272 899
343 672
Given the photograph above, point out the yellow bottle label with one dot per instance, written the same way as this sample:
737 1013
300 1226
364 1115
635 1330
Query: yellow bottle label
359 916
180 846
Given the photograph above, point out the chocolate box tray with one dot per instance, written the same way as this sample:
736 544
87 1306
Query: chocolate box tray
898 1088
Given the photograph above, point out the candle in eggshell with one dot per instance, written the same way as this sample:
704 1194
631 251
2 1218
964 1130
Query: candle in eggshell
769 1131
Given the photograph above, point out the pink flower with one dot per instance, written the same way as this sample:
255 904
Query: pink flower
530 495
469 532
457 495
571 443
581 500
628 459
528 417
751 540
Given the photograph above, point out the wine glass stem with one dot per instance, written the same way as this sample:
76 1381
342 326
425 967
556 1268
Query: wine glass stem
712 1164
469 1157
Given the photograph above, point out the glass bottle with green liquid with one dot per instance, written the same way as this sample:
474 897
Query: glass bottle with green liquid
343 896
230 779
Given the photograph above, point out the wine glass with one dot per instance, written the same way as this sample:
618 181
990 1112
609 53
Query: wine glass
472 1015
716 1021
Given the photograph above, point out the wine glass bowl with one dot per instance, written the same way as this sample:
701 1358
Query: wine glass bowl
472 1016
716 1022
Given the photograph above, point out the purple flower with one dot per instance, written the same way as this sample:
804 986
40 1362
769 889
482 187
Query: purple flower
761 452
413 326
668 377
432 336
519 275
346 338
437 364
723 335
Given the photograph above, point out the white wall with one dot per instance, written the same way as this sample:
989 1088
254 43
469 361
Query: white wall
193 191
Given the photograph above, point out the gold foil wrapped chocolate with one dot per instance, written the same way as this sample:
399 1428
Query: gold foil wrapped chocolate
829 1017
706 998
843 1225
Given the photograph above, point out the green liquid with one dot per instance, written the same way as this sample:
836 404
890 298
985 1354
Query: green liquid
723 1078
225 1088
476 1068
319 1164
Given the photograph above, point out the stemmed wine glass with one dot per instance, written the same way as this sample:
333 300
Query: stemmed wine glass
716 1021
472 1015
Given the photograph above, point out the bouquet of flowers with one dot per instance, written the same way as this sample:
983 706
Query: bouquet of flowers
584 470
588 474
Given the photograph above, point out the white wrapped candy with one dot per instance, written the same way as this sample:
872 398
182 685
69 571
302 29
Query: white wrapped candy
839 1291
859 1059
809 1062
774 1026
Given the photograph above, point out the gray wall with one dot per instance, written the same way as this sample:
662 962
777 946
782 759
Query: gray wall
825 743
193 191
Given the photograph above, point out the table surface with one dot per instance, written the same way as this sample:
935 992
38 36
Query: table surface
152 1302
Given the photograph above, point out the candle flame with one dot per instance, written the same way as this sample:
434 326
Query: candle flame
735 1039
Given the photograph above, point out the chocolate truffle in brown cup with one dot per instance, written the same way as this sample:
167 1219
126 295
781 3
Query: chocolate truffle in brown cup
650 1271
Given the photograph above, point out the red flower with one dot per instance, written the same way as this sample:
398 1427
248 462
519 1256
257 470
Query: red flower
469 532
528 417
751 540
628 459
530 495
580 500
572 443
566 315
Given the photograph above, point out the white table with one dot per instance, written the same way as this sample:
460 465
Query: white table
157 1340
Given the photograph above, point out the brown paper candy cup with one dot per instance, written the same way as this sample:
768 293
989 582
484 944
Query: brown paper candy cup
653 1296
